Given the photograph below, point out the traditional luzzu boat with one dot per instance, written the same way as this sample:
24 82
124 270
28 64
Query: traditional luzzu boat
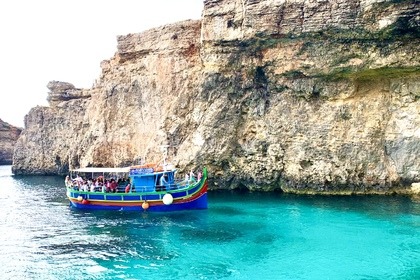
151 187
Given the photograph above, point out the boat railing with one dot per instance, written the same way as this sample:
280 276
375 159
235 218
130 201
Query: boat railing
178 184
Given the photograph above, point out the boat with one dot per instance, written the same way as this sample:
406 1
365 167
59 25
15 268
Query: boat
146 187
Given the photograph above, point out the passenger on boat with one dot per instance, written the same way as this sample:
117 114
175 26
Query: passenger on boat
85 186
79 181
163 181
93 182
68 181
192 176
114 186
199 175
128 188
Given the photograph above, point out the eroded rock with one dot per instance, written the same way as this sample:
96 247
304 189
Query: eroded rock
302 96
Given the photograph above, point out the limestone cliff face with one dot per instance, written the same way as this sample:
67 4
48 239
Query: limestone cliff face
151 81
9 134
316 96
303 96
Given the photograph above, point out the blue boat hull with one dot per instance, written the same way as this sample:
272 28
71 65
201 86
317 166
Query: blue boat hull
199 203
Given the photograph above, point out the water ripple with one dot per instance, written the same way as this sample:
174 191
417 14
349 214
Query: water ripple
240 236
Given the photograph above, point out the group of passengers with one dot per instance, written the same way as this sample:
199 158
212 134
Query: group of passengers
113 185
191 178
96 185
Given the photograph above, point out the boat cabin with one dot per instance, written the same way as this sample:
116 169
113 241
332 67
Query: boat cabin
148 179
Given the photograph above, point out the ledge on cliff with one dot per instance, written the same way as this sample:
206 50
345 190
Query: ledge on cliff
369 75
172 38
63 91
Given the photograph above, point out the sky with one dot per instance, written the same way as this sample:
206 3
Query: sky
66 40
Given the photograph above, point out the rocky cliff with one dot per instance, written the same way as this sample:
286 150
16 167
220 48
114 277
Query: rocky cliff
9 134
303 96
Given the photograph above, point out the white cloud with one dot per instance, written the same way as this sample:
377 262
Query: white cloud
47 40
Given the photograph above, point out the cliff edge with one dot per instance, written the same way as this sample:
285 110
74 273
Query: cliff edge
302 96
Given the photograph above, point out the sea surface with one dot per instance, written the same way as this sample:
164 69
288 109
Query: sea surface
240 236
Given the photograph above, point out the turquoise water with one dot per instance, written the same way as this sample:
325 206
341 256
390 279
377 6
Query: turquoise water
240 236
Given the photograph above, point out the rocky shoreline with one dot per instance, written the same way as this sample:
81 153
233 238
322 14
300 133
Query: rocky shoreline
299 96
9 135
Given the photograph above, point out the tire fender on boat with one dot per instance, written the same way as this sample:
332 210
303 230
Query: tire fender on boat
167 199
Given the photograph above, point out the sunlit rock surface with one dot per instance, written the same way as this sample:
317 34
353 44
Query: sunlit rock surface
302 96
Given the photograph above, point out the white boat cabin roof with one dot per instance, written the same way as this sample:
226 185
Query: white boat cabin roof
102 170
